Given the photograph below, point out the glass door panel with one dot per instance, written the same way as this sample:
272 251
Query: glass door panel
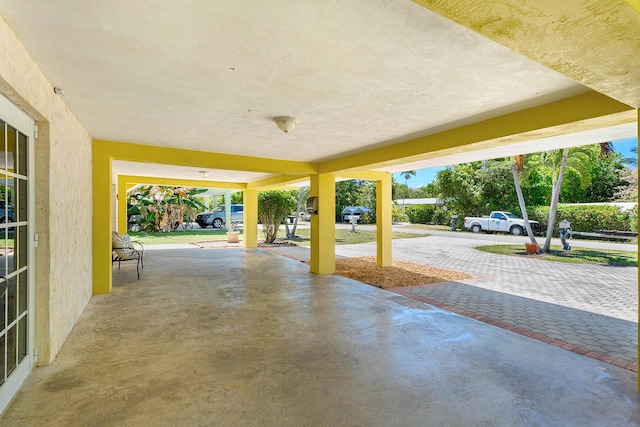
15 290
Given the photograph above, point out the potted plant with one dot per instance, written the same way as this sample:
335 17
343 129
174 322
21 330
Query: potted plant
232 235
532 248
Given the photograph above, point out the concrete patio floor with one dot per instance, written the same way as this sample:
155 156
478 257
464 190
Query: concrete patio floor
245 337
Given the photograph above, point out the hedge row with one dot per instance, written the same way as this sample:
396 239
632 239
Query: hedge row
587 218
427 214
582 218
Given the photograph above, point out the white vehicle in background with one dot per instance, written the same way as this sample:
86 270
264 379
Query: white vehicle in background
500 221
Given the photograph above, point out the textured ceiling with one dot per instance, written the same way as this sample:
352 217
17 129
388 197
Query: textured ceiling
210 76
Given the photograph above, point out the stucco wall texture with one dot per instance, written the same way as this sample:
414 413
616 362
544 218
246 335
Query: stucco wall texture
63 200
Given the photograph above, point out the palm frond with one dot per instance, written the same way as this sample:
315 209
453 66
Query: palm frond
606 148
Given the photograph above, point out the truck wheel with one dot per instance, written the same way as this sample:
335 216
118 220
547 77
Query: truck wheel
516 230
476 228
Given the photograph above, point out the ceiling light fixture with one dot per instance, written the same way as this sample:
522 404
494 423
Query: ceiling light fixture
59 91
204 173
285 123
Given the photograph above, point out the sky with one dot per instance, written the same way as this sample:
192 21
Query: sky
425 176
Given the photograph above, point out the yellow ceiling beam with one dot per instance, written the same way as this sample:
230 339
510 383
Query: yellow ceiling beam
365 175
280 181
578 113
175 182
592 42
199 159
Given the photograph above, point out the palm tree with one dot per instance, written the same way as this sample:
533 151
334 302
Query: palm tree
606 148
302 193
556 162
407 175
632 161
517 165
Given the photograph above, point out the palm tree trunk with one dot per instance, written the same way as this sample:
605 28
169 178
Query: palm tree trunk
555 196
523 207
295 224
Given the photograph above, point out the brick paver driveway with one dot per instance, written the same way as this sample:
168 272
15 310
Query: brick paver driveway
586 308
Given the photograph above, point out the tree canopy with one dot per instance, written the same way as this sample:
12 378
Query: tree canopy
273 207
476 188
163 208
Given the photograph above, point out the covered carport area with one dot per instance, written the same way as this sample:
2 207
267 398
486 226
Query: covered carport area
573 115
246 337
374 87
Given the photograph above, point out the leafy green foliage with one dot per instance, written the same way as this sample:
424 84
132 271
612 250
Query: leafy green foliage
495 181
420 214
585 218
273 207
536 189
477 188
428 214
367 218
356 192
236 198
163 208
397 215
572 190
441 217
633 218
347 194
401 191
606 177
460 188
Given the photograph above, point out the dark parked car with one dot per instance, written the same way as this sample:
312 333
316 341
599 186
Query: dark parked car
217 217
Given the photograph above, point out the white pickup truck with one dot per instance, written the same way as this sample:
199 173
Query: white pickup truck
505 222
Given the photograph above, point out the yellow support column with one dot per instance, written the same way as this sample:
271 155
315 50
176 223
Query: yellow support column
250 221
638 124
383 221
323 225
122 205
101 175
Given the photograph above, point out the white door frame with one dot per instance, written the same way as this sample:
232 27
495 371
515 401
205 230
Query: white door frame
17 118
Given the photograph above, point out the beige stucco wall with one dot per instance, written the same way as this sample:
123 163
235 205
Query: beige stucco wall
62 196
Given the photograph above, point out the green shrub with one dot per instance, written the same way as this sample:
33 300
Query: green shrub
633 219
367 218
584 218
441 217
397 215
273 206
420 214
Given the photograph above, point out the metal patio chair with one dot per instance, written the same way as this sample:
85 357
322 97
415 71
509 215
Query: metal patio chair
123 249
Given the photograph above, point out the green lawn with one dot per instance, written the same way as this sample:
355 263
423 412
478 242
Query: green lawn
343 237
427 227
6 242
189 236
575 255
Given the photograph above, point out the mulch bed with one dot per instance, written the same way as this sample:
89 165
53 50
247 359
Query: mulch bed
401 274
